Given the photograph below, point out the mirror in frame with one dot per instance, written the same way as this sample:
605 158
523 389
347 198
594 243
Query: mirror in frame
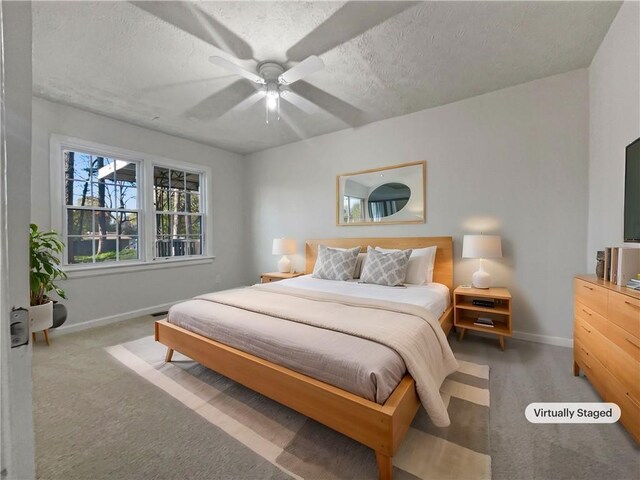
386 195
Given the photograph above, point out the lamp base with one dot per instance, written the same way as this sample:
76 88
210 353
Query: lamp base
481 279
284 265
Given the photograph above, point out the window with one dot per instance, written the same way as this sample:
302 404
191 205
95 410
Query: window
353 210
122 208
177 202
101 208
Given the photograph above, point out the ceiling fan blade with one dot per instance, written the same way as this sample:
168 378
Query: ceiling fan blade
194 20
348 22
232 67
299 101
338 108
306 67
186 84
220 102
245 104
248 102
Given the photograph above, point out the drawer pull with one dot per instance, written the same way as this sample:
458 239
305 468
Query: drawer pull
588 331
586 312
632 399
590 288
632 304
633 342
585 352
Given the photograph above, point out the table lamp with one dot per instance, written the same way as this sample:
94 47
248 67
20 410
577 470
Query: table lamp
481 246
284 247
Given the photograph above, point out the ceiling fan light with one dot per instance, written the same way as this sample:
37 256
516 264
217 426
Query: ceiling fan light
272 101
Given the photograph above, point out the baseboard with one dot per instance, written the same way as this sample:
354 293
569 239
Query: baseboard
533 337
99 322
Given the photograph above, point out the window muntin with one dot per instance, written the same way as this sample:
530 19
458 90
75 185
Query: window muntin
101 208
178 228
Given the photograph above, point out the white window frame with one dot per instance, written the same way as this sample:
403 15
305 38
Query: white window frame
183 167
146 220
363 207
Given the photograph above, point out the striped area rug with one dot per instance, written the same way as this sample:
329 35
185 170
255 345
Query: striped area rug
303 448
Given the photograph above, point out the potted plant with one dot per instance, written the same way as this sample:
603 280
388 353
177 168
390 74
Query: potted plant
44 249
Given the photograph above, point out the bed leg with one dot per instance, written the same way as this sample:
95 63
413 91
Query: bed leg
385 466
169 354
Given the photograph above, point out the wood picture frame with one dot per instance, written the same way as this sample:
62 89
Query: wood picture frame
404 215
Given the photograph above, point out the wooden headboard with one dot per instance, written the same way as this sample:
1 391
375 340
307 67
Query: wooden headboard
443 268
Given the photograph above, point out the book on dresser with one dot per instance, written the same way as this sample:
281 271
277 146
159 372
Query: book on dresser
633 284
614 265
607 263
628 264
621 264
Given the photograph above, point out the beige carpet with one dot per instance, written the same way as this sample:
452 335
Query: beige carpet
302 448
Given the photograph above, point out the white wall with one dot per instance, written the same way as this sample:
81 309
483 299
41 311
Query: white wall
512 162
17 96
103 297
614 114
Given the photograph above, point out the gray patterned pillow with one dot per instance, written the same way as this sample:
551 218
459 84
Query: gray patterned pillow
335 264
385 268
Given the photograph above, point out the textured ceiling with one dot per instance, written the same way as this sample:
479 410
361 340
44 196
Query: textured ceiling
147 62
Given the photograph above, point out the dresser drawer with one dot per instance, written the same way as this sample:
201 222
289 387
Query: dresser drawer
625 369
591 316
591 339
591 295
624 340
629 406
592 368
625 312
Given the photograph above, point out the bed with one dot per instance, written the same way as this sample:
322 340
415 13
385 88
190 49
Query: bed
377 416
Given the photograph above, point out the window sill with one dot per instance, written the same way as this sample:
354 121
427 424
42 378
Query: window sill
93 271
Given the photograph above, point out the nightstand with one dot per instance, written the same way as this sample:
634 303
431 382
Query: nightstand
275 276
466 314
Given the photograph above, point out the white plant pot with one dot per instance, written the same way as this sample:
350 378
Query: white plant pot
41 317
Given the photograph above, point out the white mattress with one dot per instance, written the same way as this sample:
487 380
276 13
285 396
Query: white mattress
435 297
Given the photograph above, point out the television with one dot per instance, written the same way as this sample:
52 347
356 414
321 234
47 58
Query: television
632 193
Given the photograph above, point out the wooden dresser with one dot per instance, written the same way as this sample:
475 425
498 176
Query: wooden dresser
606 336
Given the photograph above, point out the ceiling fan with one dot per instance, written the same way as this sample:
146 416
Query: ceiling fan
274 81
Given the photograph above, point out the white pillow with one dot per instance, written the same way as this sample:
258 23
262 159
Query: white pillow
420 270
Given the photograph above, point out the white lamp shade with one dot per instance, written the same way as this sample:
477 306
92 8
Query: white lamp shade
283 246
481 246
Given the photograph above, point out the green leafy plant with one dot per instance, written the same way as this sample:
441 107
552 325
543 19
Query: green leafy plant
45 247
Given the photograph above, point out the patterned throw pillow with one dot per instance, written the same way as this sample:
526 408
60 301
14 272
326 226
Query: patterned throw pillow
385 268
335 264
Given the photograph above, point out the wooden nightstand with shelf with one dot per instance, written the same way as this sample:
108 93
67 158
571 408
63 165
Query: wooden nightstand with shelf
466 313
276 276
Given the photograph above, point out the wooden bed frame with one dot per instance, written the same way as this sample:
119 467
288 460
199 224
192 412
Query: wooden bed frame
380 427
